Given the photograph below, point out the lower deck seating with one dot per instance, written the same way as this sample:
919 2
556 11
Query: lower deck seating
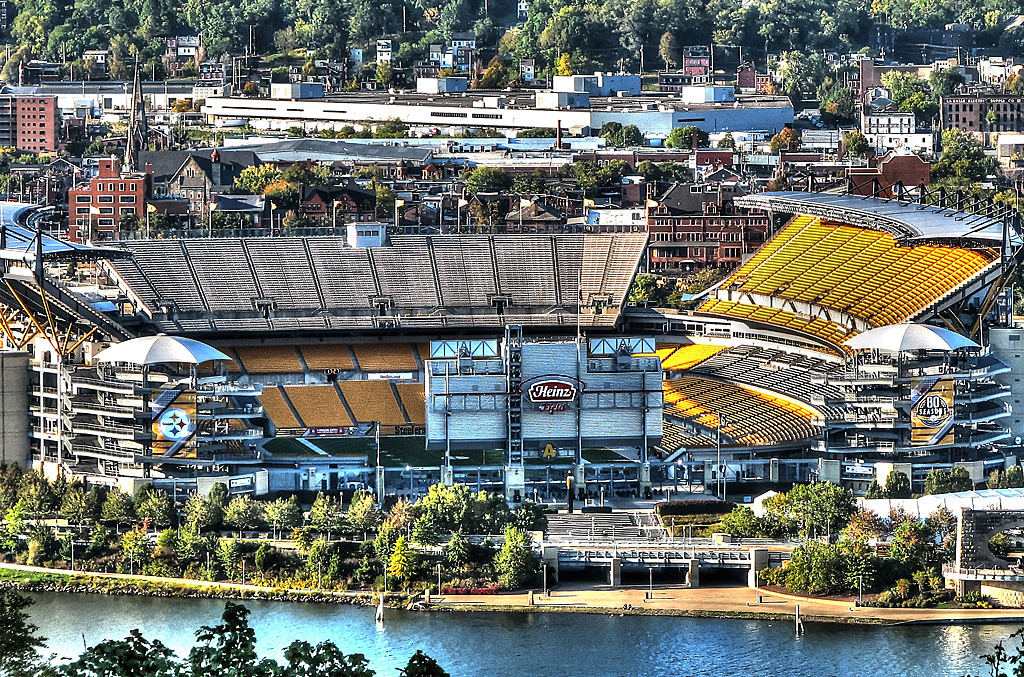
318 406
276 407
372 401
413 399
827 331
674 437
752 417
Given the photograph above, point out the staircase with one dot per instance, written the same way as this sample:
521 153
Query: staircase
593 525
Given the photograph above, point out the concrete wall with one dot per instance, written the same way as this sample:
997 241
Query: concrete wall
14 422
1008 345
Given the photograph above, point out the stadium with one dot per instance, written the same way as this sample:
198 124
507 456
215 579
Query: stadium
513 362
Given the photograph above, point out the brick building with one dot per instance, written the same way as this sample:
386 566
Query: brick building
351 203
896 166
697 226
971 113
30 123
98 206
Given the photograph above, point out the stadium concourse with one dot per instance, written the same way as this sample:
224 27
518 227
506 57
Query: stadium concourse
332 350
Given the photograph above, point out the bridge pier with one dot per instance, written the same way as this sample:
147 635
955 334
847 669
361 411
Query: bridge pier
615 572
693 574
758 561
515 484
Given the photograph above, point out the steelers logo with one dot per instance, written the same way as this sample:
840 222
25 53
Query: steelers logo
175 424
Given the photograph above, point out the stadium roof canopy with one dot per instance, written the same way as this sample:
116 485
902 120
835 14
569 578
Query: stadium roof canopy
161 349
984 499
909 336
905 220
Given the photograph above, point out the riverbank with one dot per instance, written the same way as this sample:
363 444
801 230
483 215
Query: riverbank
706 602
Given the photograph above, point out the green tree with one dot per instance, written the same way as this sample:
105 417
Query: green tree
135 549
515 562
787 139
456 551
960 479
255 179
323 660
402 563
133 656
243 512
157 506
201 513
75 506
726 141
422 665
944 81
741 522
362 512
119 508
326 515
683 137
284 513
897 485
229 648
668 50
855 143
486 179
937 482
19 641
229 554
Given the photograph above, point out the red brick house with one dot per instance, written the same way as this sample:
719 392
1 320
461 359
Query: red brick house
894 167
352 203
98 206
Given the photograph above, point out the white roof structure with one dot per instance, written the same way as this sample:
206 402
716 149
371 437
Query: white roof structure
985 499
161 349
908 336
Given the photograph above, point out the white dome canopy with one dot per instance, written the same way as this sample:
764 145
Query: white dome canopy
161 349
907 336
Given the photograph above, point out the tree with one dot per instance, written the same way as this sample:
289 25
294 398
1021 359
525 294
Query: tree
937 482
855 143
200 512
135 549
323 660
897 485
687 137
156 506
456 551
243 512
284 513
326 515
741 522
119 508
19 643
497 75
402 563
515 562
727 141
251 89
255 179
913 545
422 665
362 513
383 76
902 86
787 139
486 179
75 506
960 479
133 656
229 554
629 137
668 50
229 648
944 81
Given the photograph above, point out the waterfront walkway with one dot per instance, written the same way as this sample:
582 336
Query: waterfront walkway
665 600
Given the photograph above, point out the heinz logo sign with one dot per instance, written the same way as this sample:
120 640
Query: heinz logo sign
552 390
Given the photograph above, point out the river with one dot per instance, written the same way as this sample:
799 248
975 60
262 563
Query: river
538 644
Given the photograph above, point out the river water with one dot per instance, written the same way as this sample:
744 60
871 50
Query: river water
540 644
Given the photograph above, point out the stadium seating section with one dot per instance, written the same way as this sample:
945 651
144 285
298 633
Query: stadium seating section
385 357
827 331
228 284
372 401
685 357
321 356
753 418
277 409
318 406
412 396
675 436
269 359
864 273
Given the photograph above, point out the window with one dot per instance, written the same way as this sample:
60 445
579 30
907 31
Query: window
83 198
106 222
105 198
127 210
81 210
106 210
127 198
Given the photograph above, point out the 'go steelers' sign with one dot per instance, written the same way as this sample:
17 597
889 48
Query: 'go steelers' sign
175 424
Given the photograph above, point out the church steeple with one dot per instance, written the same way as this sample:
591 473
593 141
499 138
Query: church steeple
137 135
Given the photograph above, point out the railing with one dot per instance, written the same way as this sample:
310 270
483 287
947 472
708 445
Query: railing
193 233
109 429
231 411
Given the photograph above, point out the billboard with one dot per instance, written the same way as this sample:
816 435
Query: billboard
174 423
931 411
